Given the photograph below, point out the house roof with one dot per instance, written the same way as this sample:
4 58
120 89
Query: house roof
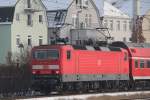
127 6
106 9
50 4
7 3
57 4
109 10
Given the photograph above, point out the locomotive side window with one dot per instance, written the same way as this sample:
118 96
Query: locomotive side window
142 64
148 64
68 55
136 63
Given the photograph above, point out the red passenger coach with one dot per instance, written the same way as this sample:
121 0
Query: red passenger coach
139 55
53 65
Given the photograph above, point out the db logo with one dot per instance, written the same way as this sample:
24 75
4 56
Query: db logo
99 62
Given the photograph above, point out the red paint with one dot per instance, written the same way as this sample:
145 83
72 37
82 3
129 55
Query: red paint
85 61
140 54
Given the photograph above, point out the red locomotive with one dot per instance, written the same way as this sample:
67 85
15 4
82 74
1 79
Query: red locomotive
70 67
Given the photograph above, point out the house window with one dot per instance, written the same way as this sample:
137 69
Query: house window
29 3
130 26
118 25
86 2
111 24
40 40
86 20
29 19
105 23
82 25
29 40
78 2
125 25
17 17
40 18
74 20
90 20
124 39
18 40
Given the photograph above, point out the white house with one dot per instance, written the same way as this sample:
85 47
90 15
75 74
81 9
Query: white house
118 23
23 24
127 7
75 19
80 19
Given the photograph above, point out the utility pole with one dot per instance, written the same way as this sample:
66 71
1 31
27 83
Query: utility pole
137 34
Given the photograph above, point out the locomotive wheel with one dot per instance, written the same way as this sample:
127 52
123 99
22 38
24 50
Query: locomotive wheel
79 87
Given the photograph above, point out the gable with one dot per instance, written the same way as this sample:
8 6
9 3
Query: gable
127 6
106 9
52 14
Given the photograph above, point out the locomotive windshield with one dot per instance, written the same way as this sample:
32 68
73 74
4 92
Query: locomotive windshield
46 54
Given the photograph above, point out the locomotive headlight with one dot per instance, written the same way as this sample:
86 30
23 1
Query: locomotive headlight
57 72
33 72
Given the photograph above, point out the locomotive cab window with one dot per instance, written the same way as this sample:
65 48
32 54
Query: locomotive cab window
148 64
136 63
68 55
46 54
142 64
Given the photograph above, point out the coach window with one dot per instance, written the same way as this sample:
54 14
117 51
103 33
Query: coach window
136 63
148 64
142 64
68 55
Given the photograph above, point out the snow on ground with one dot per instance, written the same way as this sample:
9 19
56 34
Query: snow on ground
84 97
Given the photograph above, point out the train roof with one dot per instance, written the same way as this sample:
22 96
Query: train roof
130 45
85 47
96 48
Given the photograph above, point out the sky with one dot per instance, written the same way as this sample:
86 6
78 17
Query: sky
124 5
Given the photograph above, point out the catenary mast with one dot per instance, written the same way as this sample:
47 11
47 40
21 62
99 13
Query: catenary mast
137 35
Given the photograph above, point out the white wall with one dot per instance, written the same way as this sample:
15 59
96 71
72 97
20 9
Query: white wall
119 35
20 27
81 13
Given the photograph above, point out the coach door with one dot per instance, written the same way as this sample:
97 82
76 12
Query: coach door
119 67
77 66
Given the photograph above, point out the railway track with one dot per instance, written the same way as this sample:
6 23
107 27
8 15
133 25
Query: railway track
135 95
